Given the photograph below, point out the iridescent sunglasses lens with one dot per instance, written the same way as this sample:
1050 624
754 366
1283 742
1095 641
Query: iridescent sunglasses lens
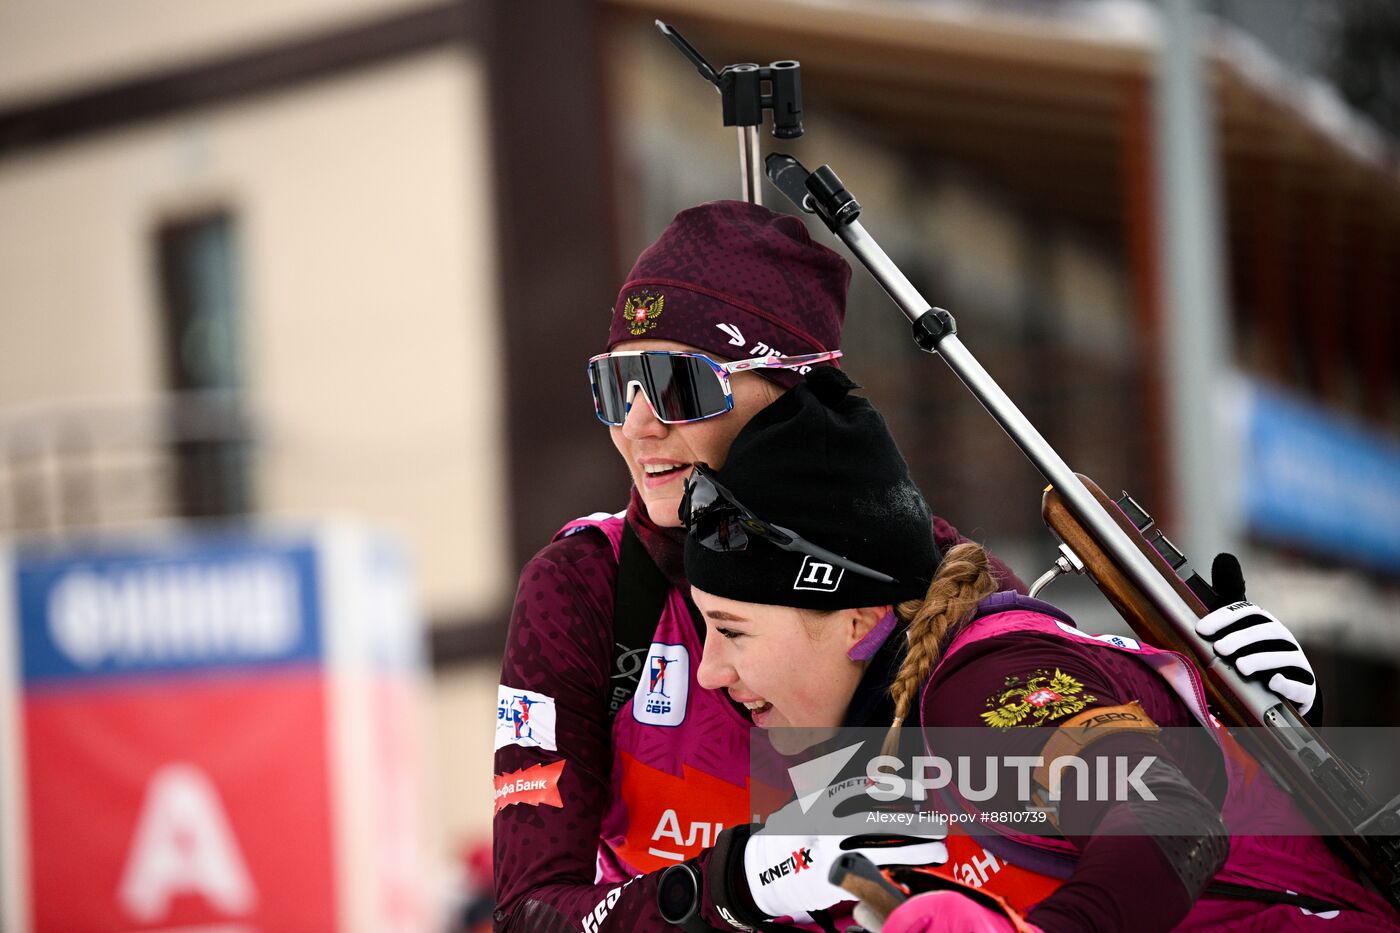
680 387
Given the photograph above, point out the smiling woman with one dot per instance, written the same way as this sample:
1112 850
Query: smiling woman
645 772
828 609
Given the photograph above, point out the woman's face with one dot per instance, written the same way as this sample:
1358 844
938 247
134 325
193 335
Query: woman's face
789 666
660 456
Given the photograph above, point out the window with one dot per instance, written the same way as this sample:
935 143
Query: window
199 277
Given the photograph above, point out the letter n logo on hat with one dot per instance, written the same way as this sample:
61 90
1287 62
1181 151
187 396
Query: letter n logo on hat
642 311
818 575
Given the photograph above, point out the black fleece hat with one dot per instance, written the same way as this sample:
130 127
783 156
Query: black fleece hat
821 462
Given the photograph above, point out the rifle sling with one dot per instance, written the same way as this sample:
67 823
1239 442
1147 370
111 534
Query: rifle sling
639 597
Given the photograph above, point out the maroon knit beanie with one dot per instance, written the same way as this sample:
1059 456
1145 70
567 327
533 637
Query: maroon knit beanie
736 280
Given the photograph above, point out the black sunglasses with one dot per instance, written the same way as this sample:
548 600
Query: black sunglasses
719 522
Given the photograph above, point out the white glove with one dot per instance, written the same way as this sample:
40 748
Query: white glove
787 874
1259 644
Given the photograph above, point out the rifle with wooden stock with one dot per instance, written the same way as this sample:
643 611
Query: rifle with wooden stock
1328 789
1105 539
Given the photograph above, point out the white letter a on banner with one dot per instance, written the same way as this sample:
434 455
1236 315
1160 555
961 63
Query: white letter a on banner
183 845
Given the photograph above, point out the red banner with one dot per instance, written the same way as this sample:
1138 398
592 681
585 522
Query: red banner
181 803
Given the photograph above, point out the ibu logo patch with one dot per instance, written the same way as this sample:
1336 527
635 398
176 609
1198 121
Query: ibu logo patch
524 718
818 575
665 686
1120 641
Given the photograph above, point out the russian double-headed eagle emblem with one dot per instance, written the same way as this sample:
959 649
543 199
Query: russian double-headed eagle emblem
642 311
1042 697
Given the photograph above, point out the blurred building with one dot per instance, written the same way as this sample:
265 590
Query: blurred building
348 256
249 268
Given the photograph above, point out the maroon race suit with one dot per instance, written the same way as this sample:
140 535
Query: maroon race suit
587 804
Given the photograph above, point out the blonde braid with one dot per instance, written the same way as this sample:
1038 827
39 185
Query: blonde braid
963 580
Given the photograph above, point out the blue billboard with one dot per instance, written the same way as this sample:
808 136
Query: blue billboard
1316 482
190 603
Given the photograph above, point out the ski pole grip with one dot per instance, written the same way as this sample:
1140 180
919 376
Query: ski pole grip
862 878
